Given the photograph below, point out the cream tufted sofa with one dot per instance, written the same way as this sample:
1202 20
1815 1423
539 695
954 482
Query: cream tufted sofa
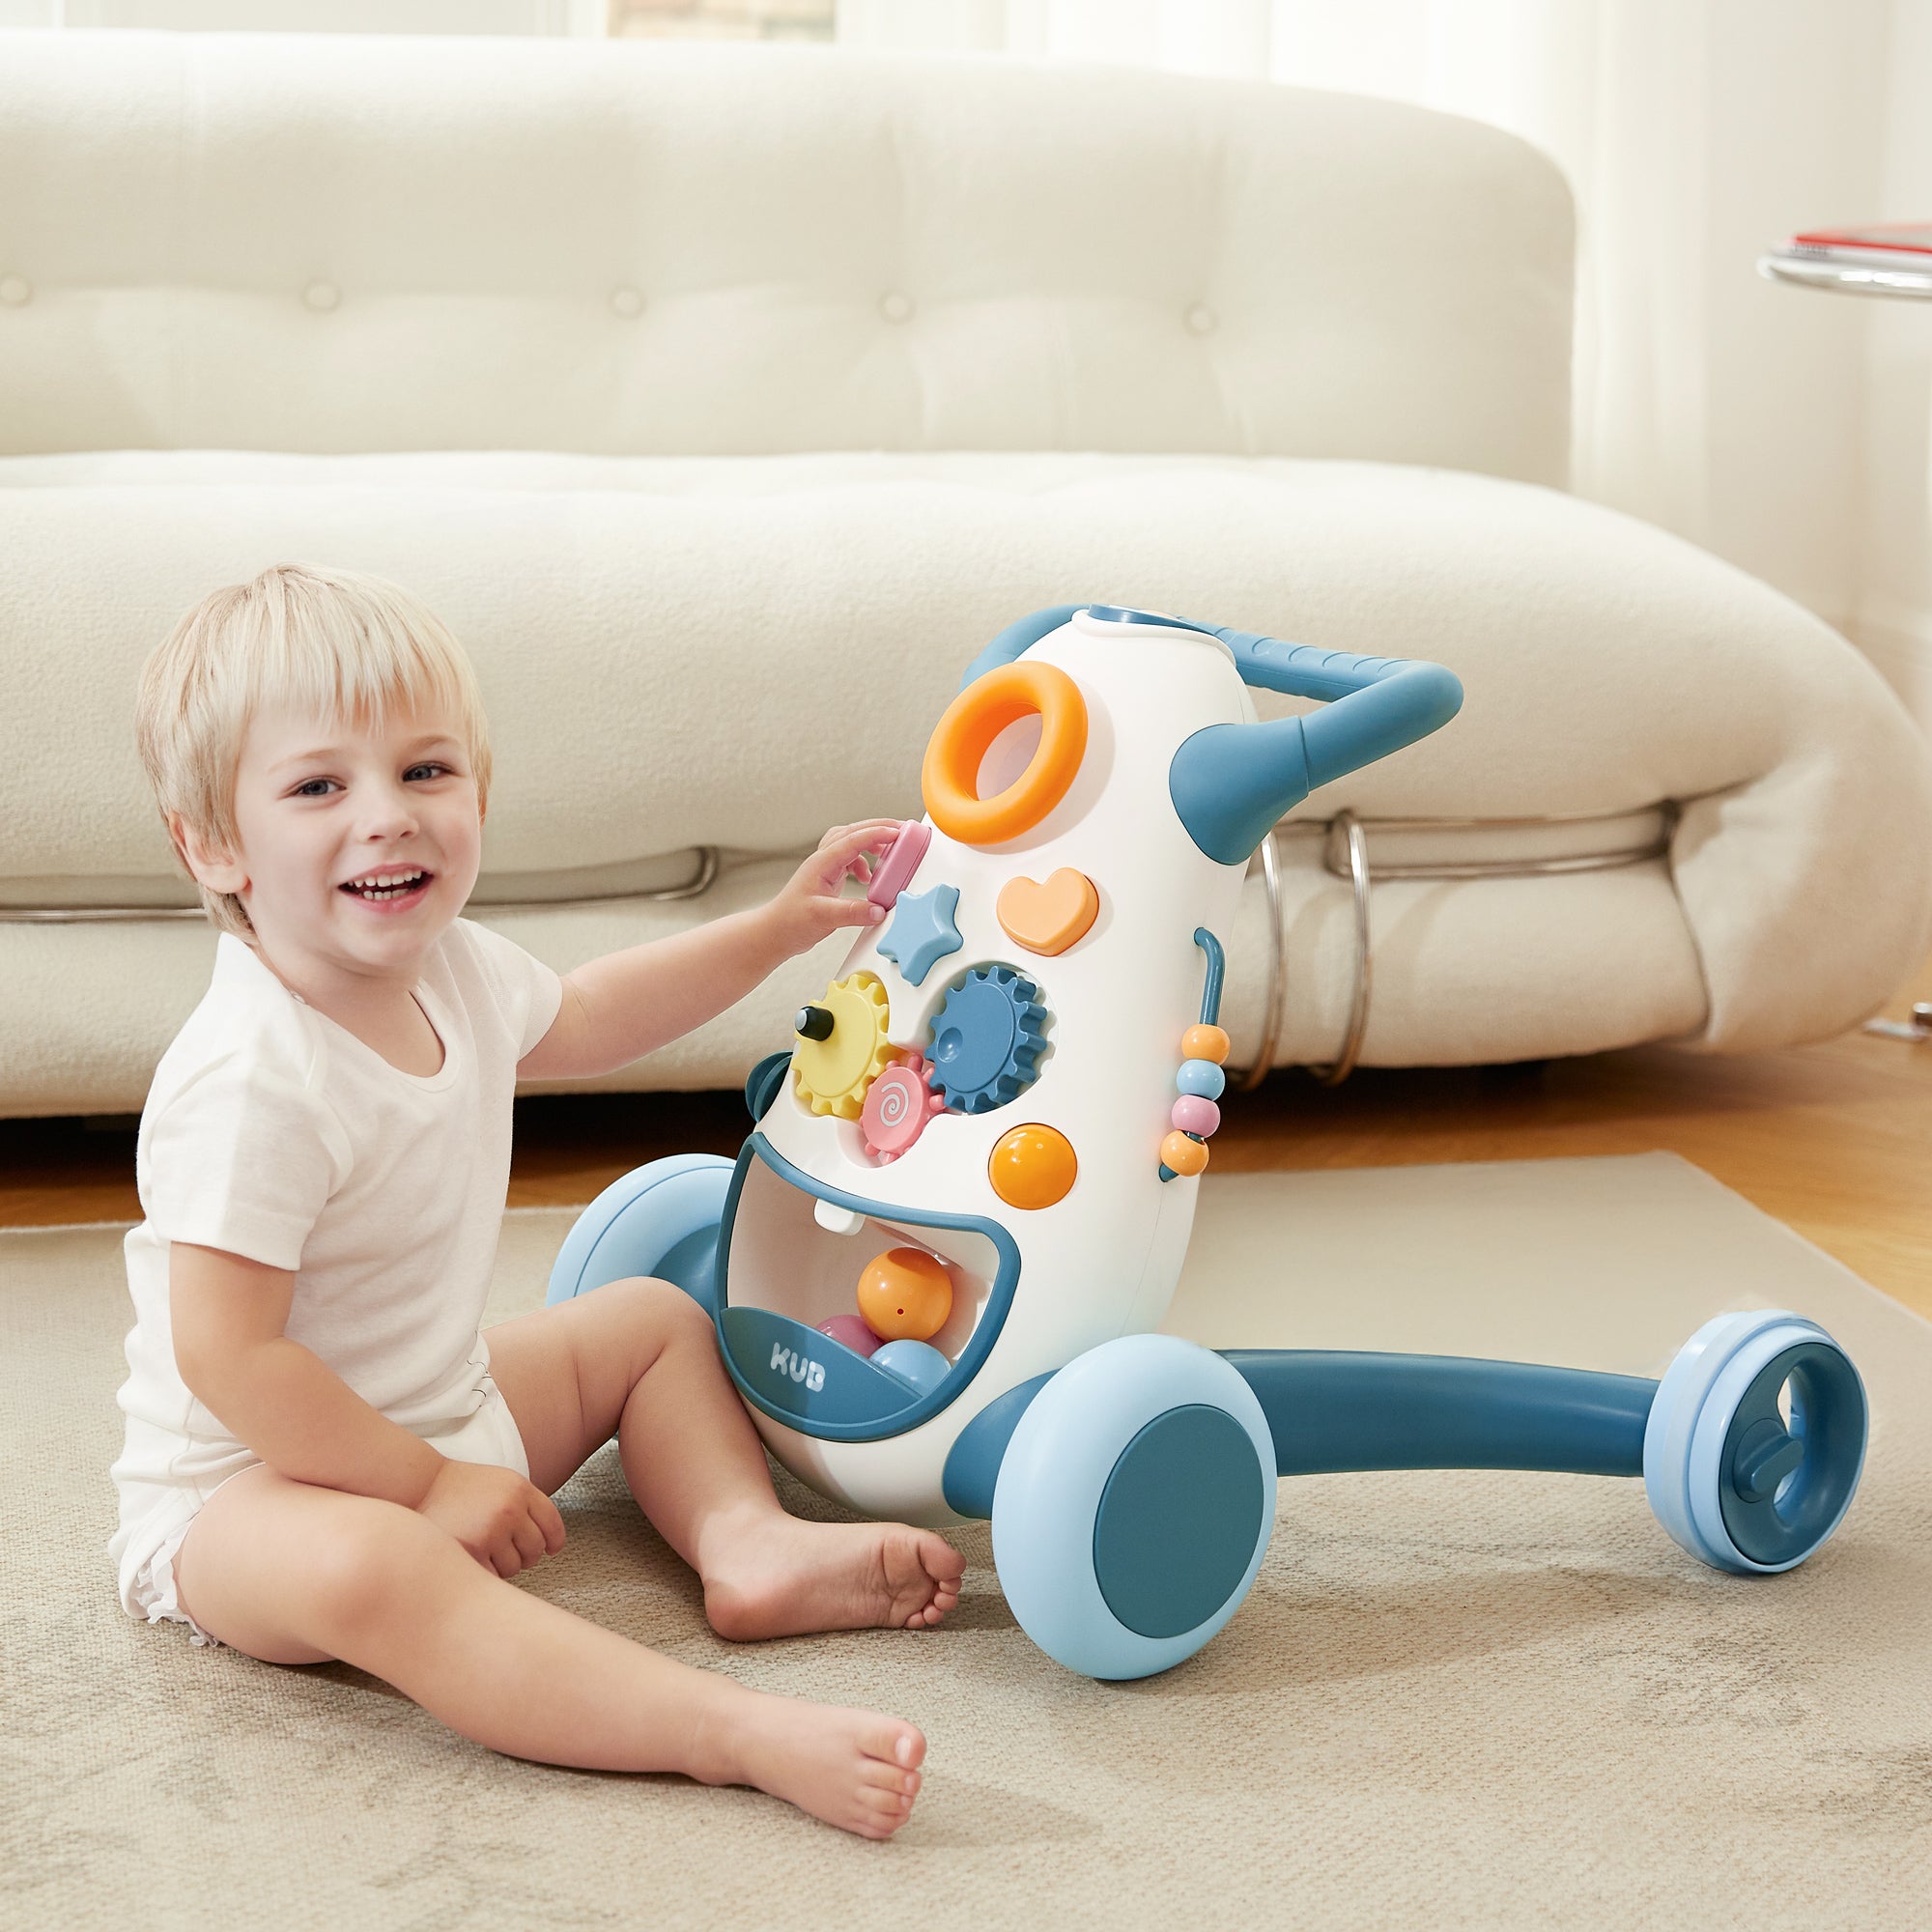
728 401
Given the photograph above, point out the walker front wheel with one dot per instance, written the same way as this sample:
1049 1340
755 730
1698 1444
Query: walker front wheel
1133 1506
1756 1442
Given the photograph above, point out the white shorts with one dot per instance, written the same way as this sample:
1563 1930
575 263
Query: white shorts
147 1546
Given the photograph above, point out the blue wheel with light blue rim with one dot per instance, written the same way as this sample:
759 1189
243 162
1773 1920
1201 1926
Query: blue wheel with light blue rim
1133 1506
660 1219
1756 1442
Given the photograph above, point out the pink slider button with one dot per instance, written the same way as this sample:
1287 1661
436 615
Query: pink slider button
1194 1115
896 871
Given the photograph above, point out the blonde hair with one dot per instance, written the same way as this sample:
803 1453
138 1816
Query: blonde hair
342 645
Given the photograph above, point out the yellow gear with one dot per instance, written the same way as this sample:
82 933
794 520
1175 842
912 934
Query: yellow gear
834 1074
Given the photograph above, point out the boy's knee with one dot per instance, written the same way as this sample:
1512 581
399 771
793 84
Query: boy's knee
367 1570
642 1304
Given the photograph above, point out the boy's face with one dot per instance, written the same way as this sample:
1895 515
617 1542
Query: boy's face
324 808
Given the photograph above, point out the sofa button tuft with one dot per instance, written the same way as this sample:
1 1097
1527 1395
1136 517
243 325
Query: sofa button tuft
627 303
322 297
1203 320
15 291
896 307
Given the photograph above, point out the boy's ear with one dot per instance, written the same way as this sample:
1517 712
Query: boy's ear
213 865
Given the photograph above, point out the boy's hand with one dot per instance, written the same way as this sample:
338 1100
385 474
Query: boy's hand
504 1521
809 904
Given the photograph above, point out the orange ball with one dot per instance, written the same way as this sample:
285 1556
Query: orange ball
1182 1154
1031 1166
905 1295
1203 1042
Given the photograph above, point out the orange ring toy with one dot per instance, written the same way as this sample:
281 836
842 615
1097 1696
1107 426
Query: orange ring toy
1002 696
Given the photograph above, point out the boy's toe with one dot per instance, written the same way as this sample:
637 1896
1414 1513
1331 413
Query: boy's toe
894 1745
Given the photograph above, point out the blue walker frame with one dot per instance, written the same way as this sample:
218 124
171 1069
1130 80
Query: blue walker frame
1129 1490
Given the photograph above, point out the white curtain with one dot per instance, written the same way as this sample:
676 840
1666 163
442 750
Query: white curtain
1694 134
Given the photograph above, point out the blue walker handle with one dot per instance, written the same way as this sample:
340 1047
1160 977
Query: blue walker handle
1374 705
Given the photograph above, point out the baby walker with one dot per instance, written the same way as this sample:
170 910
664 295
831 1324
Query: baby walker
936 1266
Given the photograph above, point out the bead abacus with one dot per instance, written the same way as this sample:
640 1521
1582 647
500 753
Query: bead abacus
1200 1080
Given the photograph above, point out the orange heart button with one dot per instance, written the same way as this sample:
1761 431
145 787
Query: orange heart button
1049 918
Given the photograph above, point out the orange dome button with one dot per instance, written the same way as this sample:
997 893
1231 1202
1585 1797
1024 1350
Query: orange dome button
1047 918
1031 1166
905 1295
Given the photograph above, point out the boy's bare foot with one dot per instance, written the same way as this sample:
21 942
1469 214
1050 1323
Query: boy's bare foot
781 1577
854 1768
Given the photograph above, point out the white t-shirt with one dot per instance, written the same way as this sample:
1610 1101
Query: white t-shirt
273 1133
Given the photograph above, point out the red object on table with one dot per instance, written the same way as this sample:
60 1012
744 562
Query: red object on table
1909 244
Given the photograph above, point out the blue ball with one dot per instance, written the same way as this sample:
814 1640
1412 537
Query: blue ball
1202 1077
917 1364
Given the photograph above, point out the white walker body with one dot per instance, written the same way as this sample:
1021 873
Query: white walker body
1104 1259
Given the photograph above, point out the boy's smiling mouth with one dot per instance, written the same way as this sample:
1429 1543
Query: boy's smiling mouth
388 887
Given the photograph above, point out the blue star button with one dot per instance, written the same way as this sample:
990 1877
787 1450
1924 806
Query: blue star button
922 931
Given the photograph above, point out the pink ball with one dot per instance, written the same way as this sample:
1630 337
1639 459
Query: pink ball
850 1330
1193 1114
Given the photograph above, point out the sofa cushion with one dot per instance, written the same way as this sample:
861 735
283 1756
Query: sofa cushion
338 243
737 652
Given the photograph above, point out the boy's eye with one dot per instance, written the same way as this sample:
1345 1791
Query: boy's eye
319 787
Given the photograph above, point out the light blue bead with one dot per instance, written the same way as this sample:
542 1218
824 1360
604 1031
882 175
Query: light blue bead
1202 1077
918 1363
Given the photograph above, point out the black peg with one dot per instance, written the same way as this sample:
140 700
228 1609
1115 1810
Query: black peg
813 1022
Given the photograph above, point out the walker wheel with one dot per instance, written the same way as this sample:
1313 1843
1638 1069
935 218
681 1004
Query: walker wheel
1133 1506
660 1219
1756 1442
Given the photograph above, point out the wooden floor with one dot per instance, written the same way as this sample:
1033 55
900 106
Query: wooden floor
1833 1139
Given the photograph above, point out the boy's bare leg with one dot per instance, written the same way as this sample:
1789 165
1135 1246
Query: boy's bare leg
638 1359
293 1574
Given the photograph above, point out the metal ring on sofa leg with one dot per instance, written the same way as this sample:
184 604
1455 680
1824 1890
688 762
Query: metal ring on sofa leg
1347 825
1248 1079
701 880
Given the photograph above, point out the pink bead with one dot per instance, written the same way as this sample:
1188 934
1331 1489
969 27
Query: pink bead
1194 1115
851 1329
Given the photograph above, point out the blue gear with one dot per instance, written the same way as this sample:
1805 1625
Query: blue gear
986 1041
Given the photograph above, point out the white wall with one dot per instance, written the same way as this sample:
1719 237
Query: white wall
1695 134
1892 614
1784 367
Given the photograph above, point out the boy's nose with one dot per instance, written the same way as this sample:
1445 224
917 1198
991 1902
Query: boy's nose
388 814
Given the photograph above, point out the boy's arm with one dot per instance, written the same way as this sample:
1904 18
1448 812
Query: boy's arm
620 1008
306 1423
284 1401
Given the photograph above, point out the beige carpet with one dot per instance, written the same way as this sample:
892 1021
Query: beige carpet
1466 1699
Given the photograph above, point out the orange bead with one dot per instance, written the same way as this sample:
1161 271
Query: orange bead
1031 1166
905 1295
1203 1042
1182 1154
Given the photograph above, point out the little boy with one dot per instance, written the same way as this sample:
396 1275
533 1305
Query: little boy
324 1455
